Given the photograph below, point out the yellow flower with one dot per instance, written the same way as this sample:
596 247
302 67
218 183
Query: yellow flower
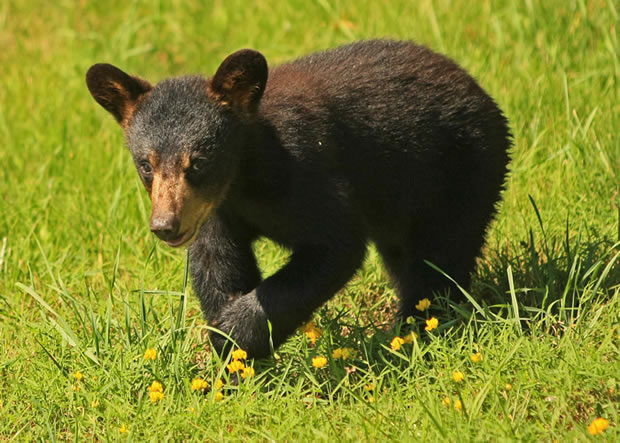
156 387
75 388
342 353
311 331
247 372
314 335
239 354
423 304
150 354
308 326
235 366
371 399
396 343
156 391
598 426
458 376
508 386
319 362
411 337
156 396
477 357
431 324
369 387
446 402
122 429
458 405
219 396
94 404
78 375
219 384
198 384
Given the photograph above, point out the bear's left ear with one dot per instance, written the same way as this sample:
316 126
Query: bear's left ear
240 81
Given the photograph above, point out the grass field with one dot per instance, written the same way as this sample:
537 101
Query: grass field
86 290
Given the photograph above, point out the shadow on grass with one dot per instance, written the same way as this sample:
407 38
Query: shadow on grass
538 285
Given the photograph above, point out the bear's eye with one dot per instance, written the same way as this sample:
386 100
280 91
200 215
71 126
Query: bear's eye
145 168
198 165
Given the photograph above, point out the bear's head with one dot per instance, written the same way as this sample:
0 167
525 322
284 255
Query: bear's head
185 134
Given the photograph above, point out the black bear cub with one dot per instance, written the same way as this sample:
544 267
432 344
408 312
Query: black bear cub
381 141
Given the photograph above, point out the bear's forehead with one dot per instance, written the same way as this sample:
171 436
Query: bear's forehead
181 98
176 115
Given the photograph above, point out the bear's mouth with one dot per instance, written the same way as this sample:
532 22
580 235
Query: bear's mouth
181 239
185 239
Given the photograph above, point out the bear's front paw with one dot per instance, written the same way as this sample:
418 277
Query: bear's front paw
245 321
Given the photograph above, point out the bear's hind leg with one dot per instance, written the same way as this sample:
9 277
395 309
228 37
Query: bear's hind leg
451 246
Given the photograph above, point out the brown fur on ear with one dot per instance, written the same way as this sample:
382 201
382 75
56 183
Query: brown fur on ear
240 81
116 91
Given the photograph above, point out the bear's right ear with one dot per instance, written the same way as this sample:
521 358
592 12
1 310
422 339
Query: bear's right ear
116 91
239 82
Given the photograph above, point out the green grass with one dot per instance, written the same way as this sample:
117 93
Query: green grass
85 287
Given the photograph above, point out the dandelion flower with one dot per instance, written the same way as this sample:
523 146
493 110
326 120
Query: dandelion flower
75 388
239 354
156 387
122 429
219 384
411 337
198 384
598 426
235 366
150 354
156 391
308 326
431 324
477 357
458 405
311 331
369 387
156 396
248 372
314 335
446 402
343 353
458 376
219 396
319 362
423 304
78 375
396 343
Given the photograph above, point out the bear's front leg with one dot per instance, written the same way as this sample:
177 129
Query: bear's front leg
245 321
289 297
223 265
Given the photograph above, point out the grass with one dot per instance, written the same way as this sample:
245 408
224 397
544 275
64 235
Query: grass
85 288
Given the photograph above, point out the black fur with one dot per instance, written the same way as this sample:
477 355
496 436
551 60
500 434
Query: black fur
379 141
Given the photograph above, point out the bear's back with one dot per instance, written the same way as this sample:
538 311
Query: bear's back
394 119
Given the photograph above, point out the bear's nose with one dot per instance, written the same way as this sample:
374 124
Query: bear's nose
166 227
